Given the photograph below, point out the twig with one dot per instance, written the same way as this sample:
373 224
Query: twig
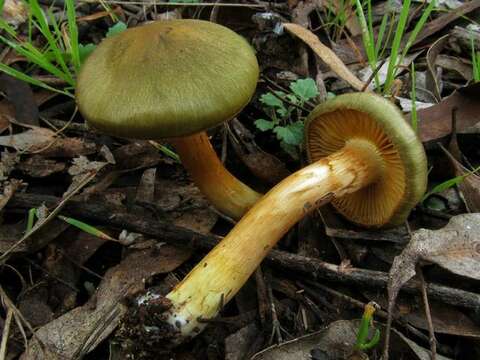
431 330
5 334
116 216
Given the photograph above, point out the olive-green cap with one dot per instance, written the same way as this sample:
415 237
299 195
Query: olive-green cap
166 79
389 200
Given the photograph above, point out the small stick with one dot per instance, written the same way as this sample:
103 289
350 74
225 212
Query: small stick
431 330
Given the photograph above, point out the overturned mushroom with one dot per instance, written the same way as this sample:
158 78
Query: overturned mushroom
366 160
174 79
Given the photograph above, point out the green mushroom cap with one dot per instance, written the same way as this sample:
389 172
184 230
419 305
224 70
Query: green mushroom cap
388 200
166 79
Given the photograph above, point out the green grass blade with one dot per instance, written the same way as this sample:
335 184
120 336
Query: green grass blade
413 96
475 58
2 2
73 33
31 219
46 32
28 79
35 56
418 26
7 28
86 228
381 33
397 40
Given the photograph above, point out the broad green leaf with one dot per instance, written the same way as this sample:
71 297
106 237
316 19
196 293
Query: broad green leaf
271 100
116 29
305 89
264 125
291 134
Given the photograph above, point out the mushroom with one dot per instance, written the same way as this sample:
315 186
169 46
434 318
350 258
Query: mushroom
174 79
366 160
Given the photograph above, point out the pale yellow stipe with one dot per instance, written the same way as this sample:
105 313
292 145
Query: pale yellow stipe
219 276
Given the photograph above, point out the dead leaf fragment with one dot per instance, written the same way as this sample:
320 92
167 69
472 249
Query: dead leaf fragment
325 53
435 122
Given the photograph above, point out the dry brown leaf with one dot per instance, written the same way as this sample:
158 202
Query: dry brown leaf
325 53
30 140
435 122
83 328
456 248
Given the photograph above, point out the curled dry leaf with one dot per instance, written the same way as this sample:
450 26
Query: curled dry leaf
79 331
325 53
31 140
455 247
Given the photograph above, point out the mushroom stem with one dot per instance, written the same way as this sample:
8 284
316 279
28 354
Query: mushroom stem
218 277
225 192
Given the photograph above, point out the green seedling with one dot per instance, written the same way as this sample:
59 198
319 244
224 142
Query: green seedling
285 114
363 343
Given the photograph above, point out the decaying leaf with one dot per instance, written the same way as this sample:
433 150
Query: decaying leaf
82 329
9 189
435 122
21 96
455 247
325 53
29 140
39 167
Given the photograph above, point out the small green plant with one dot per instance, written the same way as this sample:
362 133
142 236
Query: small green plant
447 184
375 48
285 114
60 53
363 343
475 60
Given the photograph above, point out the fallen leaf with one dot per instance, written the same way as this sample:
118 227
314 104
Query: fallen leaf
455 248
9 189
37 166
79 331
30 140
20 94
325 53
435 122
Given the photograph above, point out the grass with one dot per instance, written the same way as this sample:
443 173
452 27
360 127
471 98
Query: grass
376 46
59 56
475 60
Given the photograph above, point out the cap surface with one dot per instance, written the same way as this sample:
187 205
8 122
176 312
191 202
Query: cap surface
389 200
166 79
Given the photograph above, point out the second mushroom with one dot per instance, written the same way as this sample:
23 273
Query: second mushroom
366 160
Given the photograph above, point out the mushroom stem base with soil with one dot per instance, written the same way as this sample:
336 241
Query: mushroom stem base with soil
224 191
219 276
